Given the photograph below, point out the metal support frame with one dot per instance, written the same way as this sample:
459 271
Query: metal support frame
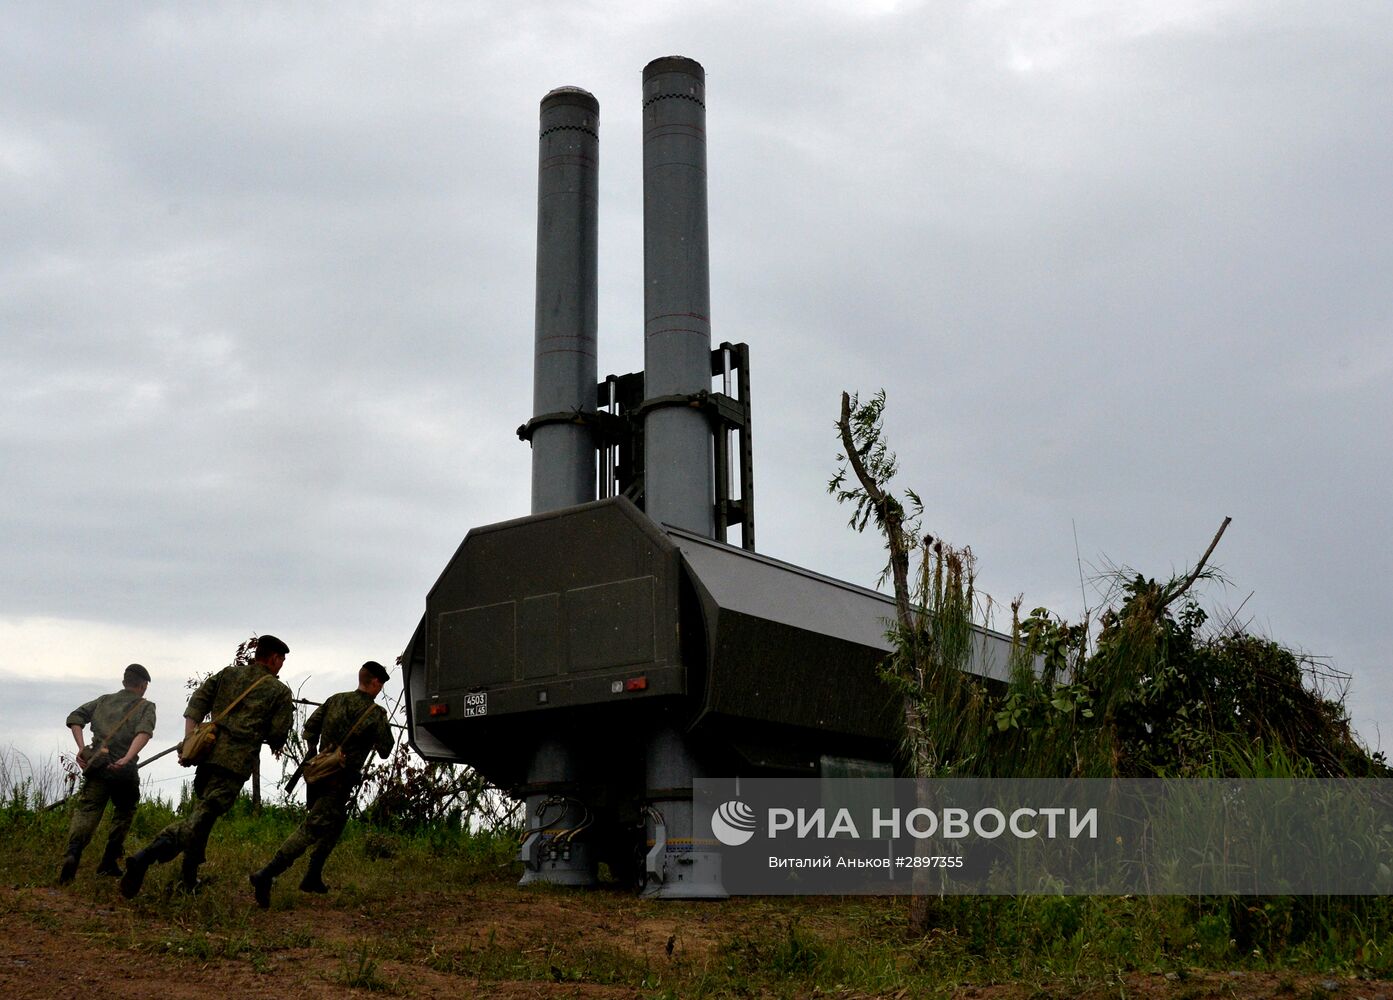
620 440
732 413
618 428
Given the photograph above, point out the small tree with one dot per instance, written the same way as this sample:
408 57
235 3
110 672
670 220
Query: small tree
932 633
935 593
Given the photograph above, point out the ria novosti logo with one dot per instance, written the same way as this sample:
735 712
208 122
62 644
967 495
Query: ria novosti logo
733 823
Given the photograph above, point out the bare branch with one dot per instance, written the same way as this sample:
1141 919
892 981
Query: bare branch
1199 567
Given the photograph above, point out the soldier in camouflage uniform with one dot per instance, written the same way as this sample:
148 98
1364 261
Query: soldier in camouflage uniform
351 722
123 722
263 715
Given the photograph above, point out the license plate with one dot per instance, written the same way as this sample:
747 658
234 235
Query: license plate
476 704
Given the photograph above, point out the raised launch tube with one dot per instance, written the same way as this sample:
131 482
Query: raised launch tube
565 366
678 477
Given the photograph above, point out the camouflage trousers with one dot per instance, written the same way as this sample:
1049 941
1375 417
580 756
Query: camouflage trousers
328 814
215 789
122 790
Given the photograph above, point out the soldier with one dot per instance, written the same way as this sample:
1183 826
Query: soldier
251 707
122 723
352 723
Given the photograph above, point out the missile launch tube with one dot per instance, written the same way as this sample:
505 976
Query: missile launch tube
565 366
679 487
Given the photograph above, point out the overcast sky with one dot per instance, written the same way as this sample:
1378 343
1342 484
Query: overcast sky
266 292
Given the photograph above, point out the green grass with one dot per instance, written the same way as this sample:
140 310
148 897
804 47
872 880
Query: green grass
420 886
360 971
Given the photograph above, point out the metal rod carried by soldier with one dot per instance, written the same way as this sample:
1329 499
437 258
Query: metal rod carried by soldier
249 707
122 723
348 726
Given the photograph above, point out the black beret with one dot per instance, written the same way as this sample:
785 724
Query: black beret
269 645
135 672
377 670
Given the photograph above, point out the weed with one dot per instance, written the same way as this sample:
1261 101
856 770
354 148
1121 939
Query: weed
360 972
379 846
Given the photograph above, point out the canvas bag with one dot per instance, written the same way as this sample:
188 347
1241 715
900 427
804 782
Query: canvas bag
328 763
199 743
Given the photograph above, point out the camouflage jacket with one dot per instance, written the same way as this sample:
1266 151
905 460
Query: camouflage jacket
331 721
105 713
264 716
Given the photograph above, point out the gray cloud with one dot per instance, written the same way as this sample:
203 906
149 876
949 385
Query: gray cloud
266 291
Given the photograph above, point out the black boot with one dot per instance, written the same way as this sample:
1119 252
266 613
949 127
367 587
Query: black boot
69 869
111 862
314 876
135 874
262 880
188 875
161 849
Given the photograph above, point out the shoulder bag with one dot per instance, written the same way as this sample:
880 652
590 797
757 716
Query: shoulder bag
199 743
328 763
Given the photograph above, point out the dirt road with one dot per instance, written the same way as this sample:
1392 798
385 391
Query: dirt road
488 941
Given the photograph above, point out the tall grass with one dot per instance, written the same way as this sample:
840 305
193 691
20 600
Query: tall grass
26 785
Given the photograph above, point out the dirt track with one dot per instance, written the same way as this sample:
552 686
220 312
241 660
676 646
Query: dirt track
60 943
54 943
